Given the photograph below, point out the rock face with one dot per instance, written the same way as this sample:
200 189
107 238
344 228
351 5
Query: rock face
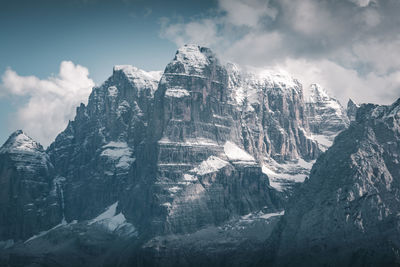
95 156
200 153
274 122
346 213
29 199
351 110
326 116
199 172
183 149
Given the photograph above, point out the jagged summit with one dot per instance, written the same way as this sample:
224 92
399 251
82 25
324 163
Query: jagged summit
352 110
326 116
317 94
141 79
204 144
248 84
372 112
19 142
191 59
277 78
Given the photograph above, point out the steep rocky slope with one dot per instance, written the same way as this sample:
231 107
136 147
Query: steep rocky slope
346 213
29 198
95 155
326 116
274 124
201 152
351 110
198 172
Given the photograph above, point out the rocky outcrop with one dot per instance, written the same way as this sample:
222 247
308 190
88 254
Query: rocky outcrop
273 118
351 110
326 116
346 213
29 197
274 124
185 149
200 154
199 172
96 153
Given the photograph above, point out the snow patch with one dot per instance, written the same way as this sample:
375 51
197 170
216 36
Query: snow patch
235 153
189 142
112 221
19 142
112 91
177 93
140 78
189 178
120 153
283 175
108 214
212 164
174 189
261 215
192 58
324 141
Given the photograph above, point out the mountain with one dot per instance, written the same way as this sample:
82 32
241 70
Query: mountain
202 153
351 110
346 213
274 124
29 196
96 154
326 116
194 143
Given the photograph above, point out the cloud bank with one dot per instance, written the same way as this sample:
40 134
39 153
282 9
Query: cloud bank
50 103
351 47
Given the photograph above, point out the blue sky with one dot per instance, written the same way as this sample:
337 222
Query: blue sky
53 51
38 35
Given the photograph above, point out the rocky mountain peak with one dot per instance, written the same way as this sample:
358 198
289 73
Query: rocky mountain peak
351 110
326 115
389 115
207 147
19 142
317 94
139 78
192 60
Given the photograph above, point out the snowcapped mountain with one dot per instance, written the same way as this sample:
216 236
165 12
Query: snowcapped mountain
326 116
201 153
274 124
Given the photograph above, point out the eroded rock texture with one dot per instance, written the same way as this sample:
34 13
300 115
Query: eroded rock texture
346 213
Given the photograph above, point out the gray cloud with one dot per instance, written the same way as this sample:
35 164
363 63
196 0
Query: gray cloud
351 47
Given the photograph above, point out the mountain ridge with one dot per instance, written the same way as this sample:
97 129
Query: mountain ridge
201 151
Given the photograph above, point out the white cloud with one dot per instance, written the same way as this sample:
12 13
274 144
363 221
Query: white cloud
51 102
382 55
349 46
247 12
344 83
371 17
256 46
308 17
202 32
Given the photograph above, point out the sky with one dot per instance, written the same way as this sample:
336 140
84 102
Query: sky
52 52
